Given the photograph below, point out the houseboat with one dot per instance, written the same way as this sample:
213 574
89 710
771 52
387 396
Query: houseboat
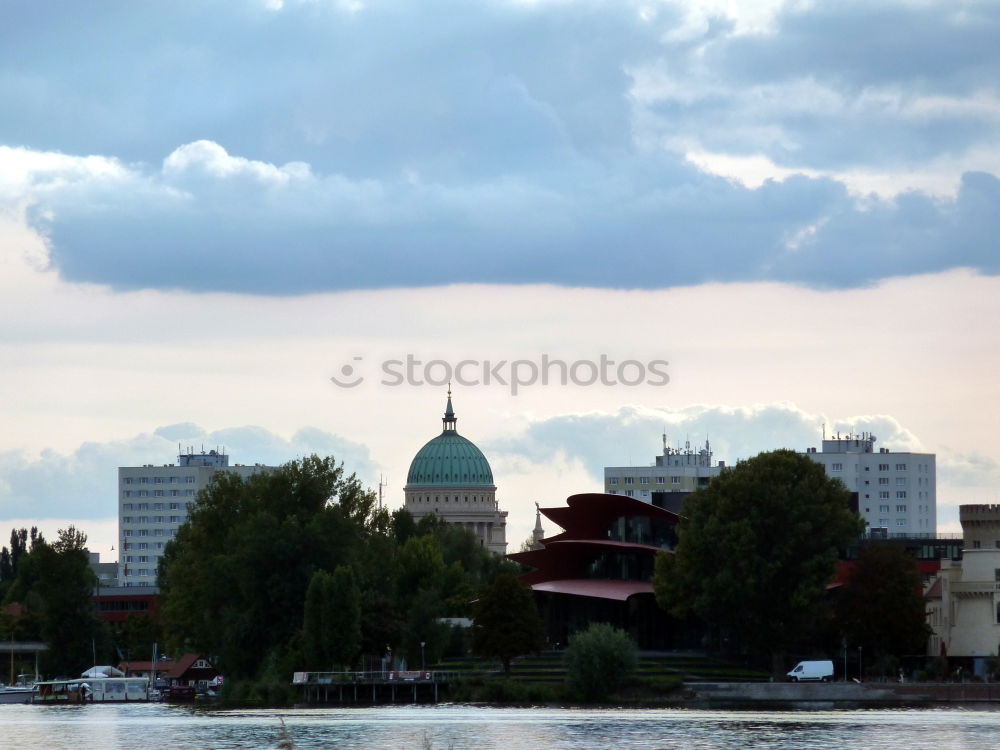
92 690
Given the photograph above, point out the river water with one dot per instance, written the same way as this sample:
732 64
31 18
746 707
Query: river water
152 726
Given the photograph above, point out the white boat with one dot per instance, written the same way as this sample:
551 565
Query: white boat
20 692
15 694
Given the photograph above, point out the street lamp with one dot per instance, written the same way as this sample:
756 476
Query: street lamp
422 665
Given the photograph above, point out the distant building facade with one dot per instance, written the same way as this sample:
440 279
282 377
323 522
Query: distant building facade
600 568
963 600
153 501
897 492
676 470
450 477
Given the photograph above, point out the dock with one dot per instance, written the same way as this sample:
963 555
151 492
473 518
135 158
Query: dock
370 688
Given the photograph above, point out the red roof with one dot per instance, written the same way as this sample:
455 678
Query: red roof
588 514
616 590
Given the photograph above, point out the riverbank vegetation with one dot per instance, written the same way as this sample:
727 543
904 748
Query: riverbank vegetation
300 569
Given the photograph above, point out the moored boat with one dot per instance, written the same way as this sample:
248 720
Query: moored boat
93 690
15 694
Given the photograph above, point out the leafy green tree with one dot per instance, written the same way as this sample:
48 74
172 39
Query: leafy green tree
881 607
506 621
344 616
315 635
598 660
756 549
135 636
55 584
234 580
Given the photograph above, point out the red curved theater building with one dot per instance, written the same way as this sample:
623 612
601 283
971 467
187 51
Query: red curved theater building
599 569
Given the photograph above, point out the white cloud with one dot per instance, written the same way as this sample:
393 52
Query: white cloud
83 484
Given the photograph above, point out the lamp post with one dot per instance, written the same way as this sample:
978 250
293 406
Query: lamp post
422 665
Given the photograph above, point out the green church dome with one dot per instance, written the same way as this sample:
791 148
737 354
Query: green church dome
449 460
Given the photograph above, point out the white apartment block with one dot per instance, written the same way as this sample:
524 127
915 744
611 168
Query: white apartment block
677 470
153 501
897 492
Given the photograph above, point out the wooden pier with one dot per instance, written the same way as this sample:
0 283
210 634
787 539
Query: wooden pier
370 688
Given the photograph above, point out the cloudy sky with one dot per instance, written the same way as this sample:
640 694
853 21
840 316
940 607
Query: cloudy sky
209 208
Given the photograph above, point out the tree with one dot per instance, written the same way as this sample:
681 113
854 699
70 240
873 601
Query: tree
506 621
234 581
880 606
55 584
756 549
331 630
344 616
598 660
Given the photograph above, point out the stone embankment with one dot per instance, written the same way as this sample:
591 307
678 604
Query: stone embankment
844 693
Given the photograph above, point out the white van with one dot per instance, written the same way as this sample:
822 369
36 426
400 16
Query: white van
812 670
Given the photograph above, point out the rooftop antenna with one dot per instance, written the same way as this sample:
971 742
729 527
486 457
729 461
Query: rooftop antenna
665 440
381 483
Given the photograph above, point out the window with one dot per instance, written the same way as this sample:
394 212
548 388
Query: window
883 509
629 480
837 467
883 480
189 480
660 480
142 532
128 480
900 467
127 506
643 480
645 493
158 493
675 480
883 495
158 480
126 519
143 493
900 481
901 495
189 493
901 509
630 493
883 522
127 532
883 467
174 506
613 480
901 522
127 493
142 545
143 480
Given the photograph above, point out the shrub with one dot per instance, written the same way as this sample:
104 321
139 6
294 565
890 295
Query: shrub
598 659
